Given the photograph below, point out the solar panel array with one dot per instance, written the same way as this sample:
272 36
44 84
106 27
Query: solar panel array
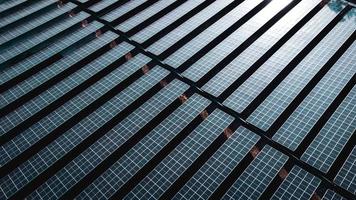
190 99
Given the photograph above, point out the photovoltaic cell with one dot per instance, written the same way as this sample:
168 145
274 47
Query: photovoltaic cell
165 21
96 153
178 33
37 131
4 5
52 70
314 105
21 29
145 14
30 169
23 12
255 84
283 95
46 53
299 184
100 5
137 157
84 1
13 50
118 12
331 195
222 80
219 166
327 145
346 177
158 180
255 179
209 34
61 88
218 53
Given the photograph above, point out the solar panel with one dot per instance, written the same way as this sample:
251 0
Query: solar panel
328 144
214 56
236 68
219 166
295 128
172 37
254 180
145 14
137 157
81 165
246 99
23 12
72 107
21 28
347 175
111 16
301 75
331 195
7 5
59 46
259 80
51 153
165 21
157 181
9 52
299 184
209 34
61 88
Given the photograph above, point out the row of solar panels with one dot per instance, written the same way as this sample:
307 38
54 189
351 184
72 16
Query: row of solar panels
88 113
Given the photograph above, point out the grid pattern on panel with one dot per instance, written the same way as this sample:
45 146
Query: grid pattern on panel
314 105
254 180
56 91
346 177
70 108
331 195
51 153
142 16
259 47
209 34
21 29
178 33
120 172
98 6
46 53
147 99
96 153
165 21
23 12
9 4
218 53
219 166
53 70
11 51
111 16
299 184
255 84
290 87
158 181
327 145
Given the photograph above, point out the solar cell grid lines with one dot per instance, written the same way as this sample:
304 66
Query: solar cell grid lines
189 99
58 47
217 168
346 176
329 195
299 184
